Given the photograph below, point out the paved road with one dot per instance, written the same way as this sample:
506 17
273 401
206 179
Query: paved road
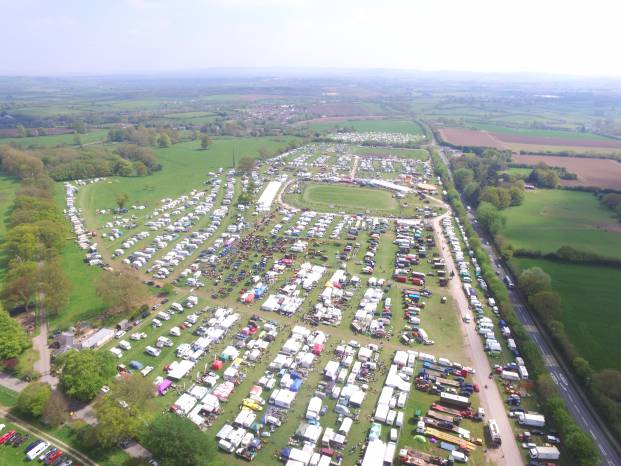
491 399
577 402
43 364
12 383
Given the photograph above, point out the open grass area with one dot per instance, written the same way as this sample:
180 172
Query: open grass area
84 304
8 397
549 219
184 166
521 172
546 133
590 301
348 197
390 126
57 140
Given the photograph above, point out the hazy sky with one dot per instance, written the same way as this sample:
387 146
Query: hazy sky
112 36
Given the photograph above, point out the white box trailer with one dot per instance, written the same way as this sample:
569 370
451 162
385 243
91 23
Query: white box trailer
36 451
531 419
545 453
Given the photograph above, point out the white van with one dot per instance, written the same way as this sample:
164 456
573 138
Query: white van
125 345
151 351
36 451
117 352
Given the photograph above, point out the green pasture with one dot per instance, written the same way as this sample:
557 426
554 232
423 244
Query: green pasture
184 167
551 218
590 300
348 197
389 126
532 132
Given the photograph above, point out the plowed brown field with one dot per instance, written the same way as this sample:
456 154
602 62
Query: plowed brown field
603 173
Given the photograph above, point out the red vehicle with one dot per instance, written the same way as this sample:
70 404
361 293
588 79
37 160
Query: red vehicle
53 457
7 436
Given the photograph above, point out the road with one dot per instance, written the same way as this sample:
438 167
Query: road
491 399
576 400
40 344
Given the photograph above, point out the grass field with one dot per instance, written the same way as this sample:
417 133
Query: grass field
184 166
390 126
537 132
348 197
8 397
549 219
590 300
56 140
522 172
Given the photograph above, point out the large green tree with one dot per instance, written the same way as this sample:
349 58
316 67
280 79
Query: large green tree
13 339
175 441
490 218
121 413
534 280
122 291
33 399
84 372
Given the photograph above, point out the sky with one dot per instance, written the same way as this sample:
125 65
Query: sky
52 37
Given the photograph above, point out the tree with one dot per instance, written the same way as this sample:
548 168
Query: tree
205 141
246 165
140 168
121 412
547 304
490 218
13 338
54 286
121 199
20 287
122 291
163 140
175 441
84 372
33 399
21 131
462 177
56 410
532 281
124 168
77 140
608 381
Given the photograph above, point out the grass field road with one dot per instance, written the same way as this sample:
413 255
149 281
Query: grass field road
491 400
83 459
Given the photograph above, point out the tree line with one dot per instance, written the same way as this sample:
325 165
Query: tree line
68 163
578 444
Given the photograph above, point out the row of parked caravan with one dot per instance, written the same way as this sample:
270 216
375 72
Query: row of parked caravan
195 206
84 238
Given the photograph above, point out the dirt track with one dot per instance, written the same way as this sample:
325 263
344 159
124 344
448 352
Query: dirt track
491 399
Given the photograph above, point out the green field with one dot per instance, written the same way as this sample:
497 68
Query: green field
545 133
184 167
390 126
56 140
349 197
549 219
520 172
590 300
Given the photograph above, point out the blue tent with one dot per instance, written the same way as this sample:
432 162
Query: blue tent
295 386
